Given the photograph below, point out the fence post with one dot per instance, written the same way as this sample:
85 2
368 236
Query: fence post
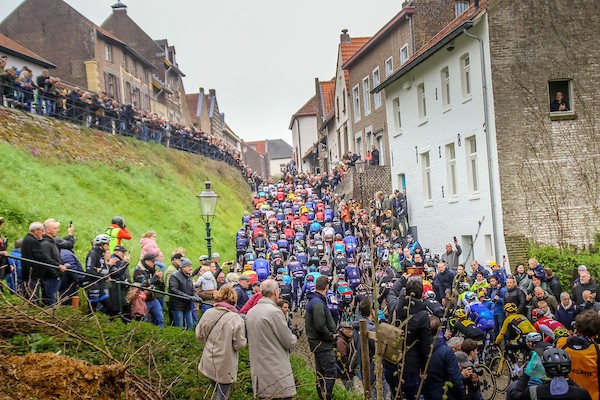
365 361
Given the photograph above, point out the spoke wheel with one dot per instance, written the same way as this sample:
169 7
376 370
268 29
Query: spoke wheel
501 372
487 382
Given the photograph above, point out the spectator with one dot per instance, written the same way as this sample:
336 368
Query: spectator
149 245
450 257
566 311
585 282
321 333
174 266
14 279
241 288
374 155
540 294
476 267
345 355
71 280
442 368
148 276
470 378
443 281
181 284
553 282
270 341
51 280
537 268
117 232
522 278
589 302
515 295
223 333
136 298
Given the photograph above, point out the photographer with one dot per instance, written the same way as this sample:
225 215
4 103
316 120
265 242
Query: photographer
450 257
470 376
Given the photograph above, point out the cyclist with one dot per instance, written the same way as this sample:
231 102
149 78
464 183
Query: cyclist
339 246
325 269
352 274
309 286
260 242
261 267
479 313
298 273
312 271
285 290
241 244
284 246
462 288
340 261
545 325
534 368
514 329
351 244
252 274
433 306
467 328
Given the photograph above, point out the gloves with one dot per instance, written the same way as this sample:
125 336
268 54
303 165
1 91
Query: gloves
197 299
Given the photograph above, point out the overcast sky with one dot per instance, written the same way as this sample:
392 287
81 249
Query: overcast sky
261 56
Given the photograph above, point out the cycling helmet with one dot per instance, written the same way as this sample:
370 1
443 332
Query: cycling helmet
561 332
249 251
281 271
310 278
215 255
510 308
538 312
470 296
101 239
556 362
460 313
312 268
351 259
340 276
317 236
338 236
118 221
533 337
348 233
282 237
430 294
292 258
463 287
274 246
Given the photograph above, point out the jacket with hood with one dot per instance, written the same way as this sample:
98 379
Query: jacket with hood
319 324
180 284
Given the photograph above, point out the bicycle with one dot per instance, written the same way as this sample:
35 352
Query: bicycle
503 370
487 381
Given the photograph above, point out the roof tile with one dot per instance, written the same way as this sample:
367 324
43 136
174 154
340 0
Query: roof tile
327 96
10 44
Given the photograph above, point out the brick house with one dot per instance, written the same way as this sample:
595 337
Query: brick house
199 109
480 138
326 123
168 94
84 54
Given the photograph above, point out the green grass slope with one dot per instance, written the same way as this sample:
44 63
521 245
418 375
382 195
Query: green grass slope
52 169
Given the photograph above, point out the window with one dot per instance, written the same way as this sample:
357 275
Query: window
128 92
472 169
133 68
489 252
422 102
337 108
379 146
465 64
403 54
356 103
389 66
560 97
108 52
126 62
426 168
344 101
144 77
376 82
397 116
460 7
451 170
366 86
445 75
401 182
110 83
359 148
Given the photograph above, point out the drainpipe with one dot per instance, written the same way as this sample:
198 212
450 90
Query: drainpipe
487 139
412 34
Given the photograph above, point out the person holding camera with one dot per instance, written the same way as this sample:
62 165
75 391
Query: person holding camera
450 257
470 376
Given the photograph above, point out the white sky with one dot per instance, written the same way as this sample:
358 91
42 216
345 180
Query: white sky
261 56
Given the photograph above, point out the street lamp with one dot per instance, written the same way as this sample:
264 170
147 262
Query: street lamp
208 205
360 170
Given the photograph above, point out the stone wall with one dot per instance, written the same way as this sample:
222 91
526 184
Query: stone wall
372 180
549 167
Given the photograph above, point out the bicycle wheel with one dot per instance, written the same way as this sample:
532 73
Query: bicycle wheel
501 371
487 382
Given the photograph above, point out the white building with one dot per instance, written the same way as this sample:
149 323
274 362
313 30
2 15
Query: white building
279 153
437 111
18 56
304 133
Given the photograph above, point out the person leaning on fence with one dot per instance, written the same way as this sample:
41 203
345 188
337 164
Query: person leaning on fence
149 277
321 332
181 284
223 332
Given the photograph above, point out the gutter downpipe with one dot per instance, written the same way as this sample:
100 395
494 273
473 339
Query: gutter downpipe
487 139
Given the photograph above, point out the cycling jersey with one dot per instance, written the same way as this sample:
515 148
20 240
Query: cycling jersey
481 315
515 327
262 268
546 326
469 330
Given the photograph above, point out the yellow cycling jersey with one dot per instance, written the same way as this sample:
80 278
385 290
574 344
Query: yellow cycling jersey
517 325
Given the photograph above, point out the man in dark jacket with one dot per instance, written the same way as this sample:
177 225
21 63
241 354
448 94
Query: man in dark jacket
374 155
443 281
515 295
181 284
443 368
51 278
242 291
32 272
322 333
418 339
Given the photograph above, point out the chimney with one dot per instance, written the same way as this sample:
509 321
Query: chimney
344 37
212 92
201 90
118 6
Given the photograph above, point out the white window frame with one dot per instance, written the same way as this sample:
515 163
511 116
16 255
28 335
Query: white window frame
404 56
426 171
472 167
460 7
397 116
422 103
356 102
445 77
389 66
376 82
451 172
366 92
108 52
465 76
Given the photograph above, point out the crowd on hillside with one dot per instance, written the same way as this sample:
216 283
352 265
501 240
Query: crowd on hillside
303 249
49 96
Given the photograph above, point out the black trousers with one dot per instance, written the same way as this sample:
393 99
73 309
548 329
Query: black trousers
326 373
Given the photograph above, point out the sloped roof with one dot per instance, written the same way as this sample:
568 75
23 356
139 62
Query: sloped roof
327 95
309 108
11 47
449 32
192 100
259 145
348 50
278 149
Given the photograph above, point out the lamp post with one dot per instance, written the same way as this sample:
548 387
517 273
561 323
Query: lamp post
208 205
360 170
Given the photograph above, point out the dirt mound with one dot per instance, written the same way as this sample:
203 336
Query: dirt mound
50 376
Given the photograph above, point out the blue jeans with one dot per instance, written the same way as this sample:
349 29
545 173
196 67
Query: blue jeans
50 291
205 307
155 312
180 316
158 136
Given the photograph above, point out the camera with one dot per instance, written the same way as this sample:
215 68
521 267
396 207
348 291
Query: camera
478 371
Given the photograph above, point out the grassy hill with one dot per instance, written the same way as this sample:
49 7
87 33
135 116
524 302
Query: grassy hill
52 169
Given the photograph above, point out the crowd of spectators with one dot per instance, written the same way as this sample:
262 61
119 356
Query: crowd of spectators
50 96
